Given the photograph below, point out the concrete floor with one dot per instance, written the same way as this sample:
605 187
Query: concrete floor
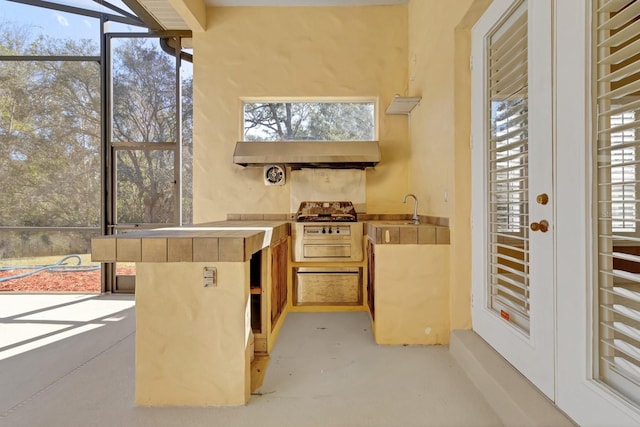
68 360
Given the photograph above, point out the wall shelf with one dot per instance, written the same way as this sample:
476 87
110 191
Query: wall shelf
403 104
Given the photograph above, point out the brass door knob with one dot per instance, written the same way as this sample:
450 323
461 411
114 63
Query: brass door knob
543 226
542 199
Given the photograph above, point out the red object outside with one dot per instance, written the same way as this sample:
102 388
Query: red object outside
45 281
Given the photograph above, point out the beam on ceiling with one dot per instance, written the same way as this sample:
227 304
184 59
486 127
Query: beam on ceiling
193 12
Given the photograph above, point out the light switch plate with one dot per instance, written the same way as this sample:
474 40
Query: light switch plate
210 277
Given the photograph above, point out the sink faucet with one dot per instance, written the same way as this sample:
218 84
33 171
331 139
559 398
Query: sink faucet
415 207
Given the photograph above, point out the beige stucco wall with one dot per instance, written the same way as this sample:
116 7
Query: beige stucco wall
431 71
419 49
439 48
412 294
293 52
191 340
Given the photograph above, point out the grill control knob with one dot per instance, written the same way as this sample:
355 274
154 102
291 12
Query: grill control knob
337 230
324 231
330 230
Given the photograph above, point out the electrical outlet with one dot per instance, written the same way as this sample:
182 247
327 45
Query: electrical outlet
210 277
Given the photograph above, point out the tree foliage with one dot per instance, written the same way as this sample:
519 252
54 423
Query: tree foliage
50 140
319 121
144 100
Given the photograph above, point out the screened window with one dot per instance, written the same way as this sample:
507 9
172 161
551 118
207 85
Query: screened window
314 121
50 123
617 70
54 57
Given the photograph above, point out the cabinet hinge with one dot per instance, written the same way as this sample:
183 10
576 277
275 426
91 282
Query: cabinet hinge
471 62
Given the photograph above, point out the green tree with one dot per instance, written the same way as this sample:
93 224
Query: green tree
320 121
187 150
49 134
144 111
50 139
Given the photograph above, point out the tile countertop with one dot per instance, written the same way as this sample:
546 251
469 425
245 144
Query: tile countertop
404 232
235 240
224 241
382 229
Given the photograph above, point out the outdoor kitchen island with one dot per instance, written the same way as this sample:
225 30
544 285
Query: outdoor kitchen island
193 307
201 290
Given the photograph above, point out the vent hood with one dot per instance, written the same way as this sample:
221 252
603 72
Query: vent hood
309 154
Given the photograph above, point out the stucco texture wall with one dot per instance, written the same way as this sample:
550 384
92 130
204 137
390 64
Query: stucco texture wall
440 166
418 49
279 52
179 320
432 26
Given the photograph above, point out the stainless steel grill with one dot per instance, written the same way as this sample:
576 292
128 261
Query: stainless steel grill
326 212
327 231
328 235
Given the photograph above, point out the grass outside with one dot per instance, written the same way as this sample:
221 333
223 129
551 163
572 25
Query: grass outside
46 260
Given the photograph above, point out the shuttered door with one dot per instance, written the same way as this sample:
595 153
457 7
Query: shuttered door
507 168
617 52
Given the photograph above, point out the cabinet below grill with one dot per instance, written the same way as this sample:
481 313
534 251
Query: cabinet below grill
327 286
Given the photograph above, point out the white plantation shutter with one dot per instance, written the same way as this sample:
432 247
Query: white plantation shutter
507 166
617 54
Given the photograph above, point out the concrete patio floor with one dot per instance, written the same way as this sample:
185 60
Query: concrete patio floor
68 360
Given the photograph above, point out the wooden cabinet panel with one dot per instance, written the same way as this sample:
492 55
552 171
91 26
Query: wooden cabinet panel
255 289
279 264
341 286
371 277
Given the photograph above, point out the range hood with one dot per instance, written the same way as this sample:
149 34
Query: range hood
309 154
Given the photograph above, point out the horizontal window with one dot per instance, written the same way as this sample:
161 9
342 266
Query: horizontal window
313 121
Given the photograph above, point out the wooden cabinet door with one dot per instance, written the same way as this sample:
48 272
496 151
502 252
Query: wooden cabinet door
371 277
279 254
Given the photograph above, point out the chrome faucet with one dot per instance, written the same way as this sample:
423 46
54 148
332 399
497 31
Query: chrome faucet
415 207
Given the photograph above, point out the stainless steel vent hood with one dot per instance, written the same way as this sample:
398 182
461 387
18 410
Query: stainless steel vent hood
309 154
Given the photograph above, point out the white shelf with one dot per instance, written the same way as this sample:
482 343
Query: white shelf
403 104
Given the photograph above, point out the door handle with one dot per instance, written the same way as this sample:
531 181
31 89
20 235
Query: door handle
542 199
543 226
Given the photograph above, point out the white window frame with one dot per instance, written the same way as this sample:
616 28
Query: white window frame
335 100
